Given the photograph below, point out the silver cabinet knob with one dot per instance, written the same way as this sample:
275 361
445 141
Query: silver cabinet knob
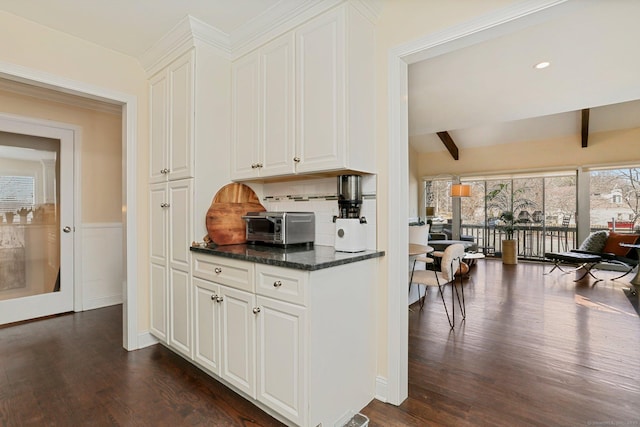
164 205
219 299
254 165
67 229
277 284
259 165
256 310
214 297
218 270
296 159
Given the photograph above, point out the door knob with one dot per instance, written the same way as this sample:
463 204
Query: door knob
67 229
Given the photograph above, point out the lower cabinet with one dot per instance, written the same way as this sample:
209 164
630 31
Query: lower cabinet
225 333
281 354
300 343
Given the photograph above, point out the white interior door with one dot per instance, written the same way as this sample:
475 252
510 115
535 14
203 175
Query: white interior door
36 219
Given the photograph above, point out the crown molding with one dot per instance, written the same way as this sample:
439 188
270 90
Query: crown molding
275 21
272 23
371 9
181 38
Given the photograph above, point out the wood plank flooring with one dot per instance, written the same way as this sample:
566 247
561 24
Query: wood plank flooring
534 351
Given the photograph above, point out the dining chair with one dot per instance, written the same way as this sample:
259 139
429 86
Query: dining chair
449 265
419 235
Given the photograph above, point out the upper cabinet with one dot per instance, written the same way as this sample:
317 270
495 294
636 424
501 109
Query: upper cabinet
263 111
172 112
304 103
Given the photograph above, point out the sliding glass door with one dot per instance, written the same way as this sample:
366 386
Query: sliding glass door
543 208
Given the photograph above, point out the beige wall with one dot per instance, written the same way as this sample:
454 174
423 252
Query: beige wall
101 151
605 148
403 21
51 52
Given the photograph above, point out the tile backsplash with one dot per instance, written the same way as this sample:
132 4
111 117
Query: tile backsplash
320 196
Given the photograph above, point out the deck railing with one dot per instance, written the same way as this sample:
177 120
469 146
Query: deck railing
533 240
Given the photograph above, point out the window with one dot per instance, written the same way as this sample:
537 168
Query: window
16 192
543 207
615 199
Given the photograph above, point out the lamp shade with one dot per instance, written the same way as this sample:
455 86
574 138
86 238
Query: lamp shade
460 190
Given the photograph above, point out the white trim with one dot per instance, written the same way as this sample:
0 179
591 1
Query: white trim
145 339
397 150
129 143
382 389
77 220
101 225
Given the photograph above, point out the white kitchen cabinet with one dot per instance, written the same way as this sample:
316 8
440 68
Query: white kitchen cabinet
170 274
304 102
206 303
263 111
224 333
158 249
298 342
238 335
172 115
335 92
281 357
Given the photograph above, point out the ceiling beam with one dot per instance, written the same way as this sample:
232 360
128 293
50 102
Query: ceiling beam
585 128
448 142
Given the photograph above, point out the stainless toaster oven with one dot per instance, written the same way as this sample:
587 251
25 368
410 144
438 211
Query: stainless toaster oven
280 228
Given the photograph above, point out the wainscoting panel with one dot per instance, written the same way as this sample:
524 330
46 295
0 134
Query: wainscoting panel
102 268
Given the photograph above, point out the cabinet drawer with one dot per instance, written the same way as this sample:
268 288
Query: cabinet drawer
280 283
225 271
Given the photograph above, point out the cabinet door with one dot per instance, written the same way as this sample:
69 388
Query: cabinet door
206 346
180 311
238 336
181 117
320 93
277 82
281 348
180 225
245 113
158 116
158 257
158 297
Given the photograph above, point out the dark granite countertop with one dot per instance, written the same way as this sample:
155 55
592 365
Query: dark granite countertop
299 258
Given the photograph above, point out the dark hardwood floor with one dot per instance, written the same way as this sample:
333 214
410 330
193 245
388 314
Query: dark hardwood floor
534 351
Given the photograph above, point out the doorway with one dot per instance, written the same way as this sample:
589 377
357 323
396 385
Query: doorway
37 221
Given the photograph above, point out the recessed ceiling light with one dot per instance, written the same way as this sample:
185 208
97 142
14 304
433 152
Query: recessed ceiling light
541 65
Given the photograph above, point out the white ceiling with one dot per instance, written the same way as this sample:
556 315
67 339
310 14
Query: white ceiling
489 93
133 26
485 93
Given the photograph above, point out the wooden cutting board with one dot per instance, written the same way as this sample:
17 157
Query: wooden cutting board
224 222
235 193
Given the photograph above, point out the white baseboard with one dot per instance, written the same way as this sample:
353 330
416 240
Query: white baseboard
381 389
145 339
94 303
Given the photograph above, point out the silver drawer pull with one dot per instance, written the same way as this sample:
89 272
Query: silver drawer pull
277 284
218 270
256 310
